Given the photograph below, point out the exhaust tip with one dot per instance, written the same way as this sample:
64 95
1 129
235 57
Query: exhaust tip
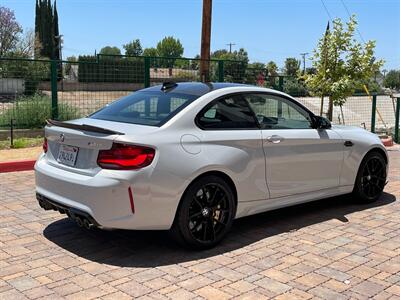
87 224
79 221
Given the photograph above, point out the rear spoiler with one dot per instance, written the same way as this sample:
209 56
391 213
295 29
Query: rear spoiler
82 127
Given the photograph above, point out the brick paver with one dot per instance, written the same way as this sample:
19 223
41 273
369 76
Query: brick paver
331 249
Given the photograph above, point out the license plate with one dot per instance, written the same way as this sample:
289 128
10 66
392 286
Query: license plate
67 155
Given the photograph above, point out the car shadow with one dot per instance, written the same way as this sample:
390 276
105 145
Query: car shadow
156 248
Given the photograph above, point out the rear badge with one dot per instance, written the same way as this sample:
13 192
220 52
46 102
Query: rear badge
93 144
62 137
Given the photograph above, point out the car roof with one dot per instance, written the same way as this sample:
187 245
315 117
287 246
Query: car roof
194 88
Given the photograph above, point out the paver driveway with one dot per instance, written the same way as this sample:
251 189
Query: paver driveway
327 249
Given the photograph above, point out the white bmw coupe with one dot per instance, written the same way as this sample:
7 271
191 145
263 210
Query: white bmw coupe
192 157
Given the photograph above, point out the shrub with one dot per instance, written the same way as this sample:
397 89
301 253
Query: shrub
111 69
32 112
295 87
372 86
186 75
256 76
392 80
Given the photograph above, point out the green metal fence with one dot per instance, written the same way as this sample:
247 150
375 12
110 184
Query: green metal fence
34 90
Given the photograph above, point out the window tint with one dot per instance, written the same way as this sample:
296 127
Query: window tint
232 112
274 112
145 108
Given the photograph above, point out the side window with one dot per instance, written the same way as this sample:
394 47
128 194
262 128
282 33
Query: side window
274 112
232 112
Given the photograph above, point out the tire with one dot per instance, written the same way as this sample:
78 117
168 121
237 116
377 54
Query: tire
205 213
371 178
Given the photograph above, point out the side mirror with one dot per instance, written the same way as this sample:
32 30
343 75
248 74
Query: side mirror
321 123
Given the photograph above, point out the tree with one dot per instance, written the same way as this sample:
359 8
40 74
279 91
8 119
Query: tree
311 71
224 54
110 50
342 64
150 52
272 68
46 30
256 73
10 31
292 67
392 80
235 64
68 66
295 87
170 47
256 65
133 48
56 32
26 45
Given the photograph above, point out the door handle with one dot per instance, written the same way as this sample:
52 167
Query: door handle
275 139
348 143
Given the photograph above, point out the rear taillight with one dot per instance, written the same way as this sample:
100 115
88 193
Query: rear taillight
125 157
45 145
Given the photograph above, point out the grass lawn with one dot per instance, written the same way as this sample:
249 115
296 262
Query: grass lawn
21 143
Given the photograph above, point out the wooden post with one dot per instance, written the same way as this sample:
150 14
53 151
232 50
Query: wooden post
373 115
322 106
205 41
397 122
330 109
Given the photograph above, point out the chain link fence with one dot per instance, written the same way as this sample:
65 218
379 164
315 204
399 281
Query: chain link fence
32 91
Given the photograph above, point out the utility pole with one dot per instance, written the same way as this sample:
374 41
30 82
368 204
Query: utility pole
304 61
230 46
205 41
59 39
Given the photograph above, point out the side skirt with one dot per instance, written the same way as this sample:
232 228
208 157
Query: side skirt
247 208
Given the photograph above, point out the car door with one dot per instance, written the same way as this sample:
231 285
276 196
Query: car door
232 139
299 158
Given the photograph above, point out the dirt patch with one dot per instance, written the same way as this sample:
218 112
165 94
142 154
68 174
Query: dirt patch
20 154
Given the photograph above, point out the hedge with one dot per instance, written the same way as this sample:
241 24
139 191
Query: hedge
127 70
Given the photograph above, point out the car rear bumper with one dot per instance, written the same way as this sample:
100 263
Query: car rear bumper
82 218
105 197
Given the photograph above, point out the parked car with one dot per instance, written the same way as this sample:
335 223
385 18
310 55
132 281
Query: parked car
192 157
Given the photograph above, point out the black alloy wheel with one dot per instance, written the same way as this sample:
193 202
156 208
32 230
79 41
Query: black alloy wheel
371 178
209 212
205 214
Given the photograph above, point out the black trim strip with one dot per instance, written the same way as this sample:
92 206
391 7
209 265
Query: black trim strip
83 127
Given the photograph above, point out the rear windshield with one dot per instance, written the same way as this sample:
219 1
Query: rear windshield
145 108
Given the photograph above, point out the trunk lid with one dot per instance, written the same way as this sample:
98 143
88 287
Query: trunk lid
89 137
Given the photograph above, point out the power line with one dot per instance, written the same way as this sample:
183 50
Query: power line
326 10
348 13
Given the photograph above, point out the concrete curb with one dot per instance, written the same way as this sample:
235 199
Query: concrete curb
17 165
387 142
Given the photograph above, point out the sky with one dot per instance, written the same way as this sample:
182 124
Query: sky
267 29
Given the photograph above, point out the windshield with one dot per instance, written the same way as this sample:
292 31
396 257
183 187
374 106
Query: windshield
145 108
